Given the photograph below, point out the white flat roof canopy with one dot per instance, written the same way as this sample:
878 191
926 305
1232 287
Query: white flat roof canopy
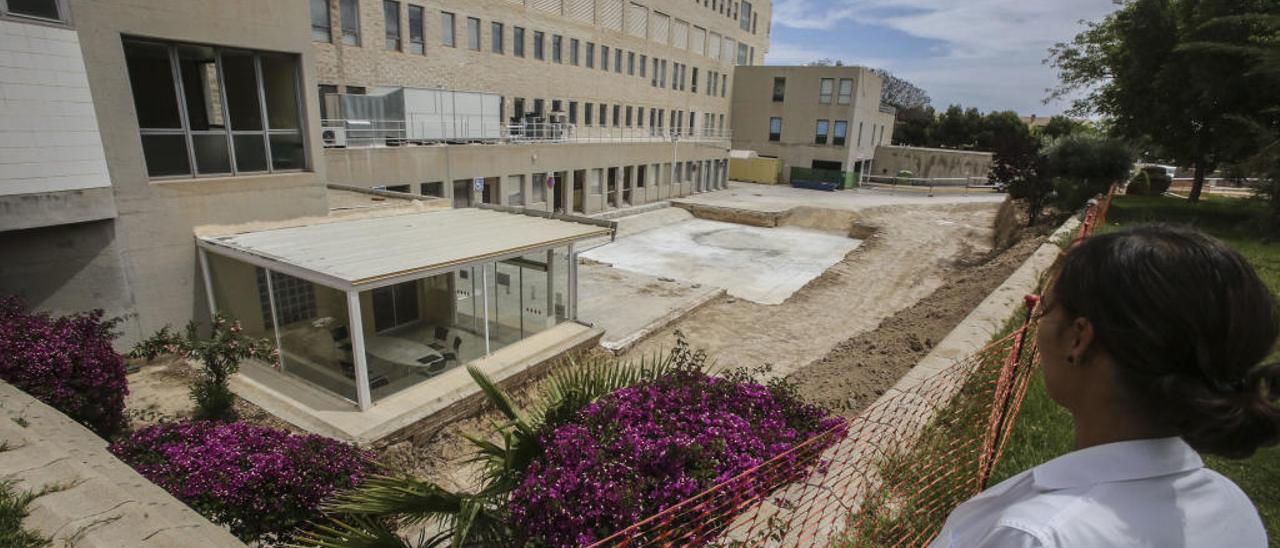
374 252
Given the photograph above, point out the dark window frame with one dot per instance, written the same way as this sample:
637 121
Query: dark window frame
228 130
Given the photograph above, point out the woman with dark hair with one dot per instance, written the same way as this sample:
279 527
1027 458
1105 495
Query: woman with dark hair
1153 339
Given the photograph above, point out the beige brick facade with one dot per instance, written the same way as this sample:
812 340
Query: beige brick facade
646 35
802 106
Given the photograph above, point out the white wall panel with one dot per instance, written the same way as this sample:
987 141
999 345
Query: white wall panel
637 20
680 35
49 140
610 14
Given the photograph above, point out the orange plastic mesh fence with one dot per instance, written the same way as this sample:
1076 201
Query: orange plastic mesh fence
887 477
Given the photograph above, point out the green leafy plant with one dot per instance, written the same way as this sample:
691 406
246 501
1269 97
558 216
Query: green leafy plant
13 509
165 341
220 356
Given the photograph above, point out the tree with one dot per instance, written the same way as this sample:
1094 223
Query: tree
901 93
914 127
1255 38
1083 166
1061 126
957 128
1188 102
825 62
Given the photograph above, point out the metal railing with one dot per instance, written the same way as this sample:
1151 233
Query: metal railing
354 133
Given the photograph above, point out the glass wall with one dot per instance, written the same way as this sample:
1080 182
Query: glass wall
413 331
313 338
417 330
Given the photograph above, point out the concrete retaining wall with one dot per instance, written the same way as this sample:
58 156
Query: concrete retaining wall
94 499
930 163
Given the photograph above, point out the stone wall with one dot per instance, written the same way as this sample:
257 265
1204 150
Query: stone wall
93 499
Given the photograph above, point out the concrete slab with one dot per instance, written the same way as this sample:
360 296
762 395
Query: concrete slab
763 265
778 198
629 306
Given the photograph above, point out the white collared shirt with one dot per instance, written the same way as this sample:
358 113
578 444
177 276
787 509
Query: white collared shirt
1154 493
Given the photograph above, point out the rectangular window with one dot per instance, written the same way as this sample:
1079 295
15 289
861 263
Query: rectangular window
237 111
327 90
825 89
391 18
588 112
744 18
573 112
724 84
604 57
447 30
841 134
824 127
662 75
573 51
846 91
417 30
604 110
617 115
590 54
473 34
779 89
631 63
539 45
321 23
693 82
653 81
617 60
630 112
639 116
538 106
860 134
644 61
517 41
557 46
496 36
435 189
742 54
518 109
775 129
350 13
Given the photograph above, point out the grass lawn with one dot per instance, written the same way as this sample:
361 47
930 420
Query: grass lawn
1044 431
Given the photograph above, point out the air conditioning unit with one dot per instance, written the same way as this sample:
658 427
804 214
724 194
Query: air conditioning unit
334 136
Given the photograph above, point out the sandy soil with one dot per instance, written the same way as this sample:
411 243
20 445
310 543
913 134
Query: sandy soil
913 253
159 391
858 370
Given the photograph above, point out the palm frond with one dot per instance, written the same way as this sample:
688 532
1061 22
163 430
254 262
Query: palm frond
500 399
408 498
358 533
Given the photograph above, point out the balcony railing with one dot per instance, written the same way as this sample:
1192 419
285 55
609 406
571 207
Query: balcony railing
352 133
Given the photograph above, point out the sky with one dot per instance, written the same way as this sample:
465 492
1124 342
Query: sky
978 53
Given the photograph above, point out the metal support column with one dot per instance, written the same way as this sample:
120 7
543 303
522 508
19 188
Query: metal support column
363 397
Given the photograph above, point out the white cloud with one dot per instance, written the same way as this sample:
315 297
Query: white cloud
989 52
787 53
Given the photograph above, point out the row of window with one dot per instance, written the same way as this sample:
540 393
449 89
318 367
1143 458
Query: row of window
825 89
739 11
513 185
598 114
712 45
823 131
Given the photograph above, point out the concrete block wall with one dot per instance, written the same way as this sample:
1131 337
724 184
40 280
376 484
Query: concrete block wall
95 500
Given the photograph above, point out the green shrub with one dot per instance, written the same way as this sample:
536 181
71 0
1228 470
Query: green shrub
1139 185
1160 180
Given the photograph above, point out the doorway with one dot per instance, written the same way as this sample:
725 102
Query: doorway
557 192
629 182
579 190
462 193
